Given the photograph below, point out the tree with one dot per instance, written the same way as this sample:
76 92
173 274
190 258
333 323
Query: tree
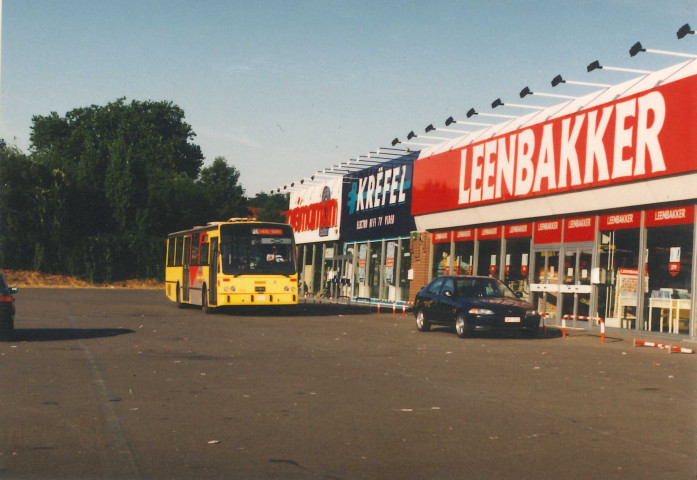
271 208
225 195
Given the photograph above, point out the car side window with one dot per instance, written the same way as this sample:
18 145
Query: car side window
435 285
448 285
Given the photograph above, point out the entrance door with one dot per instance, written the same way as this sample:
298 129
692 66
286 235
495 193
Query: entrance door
545 283
575 285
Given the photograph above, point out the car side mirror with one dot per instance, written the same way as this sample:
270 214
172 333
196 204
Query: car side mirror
13 290
448 293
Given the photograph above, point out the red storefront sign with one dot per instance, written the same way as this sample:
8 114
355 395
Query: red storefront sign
489 233
519 230
580 229
670 216
464 235
617 221
642 136
441 237
548 231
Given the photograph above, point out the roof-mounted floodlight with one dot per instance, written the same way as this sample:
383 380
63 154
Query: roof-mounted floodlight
596 66
526 91
637 47
684 31
472 112
395 141
558 80
499 103
430 128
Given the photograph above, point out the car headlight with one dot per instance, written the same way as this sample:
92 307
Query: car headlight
481 311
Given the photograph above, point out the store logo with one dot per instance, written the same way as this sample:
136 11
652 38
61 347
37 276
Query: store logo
386 187
316 216
610 144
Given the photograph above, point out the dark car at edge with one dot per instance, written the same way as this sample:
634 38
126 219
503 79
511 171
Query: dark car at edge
7 309
474 304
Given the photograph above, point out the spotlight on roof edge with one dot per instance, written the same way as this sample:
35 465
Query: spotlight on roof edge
431 127
637 47
395 141
596 66
684 31
411 135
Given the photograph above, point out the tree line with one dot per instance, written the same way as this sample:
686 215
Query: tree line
103 185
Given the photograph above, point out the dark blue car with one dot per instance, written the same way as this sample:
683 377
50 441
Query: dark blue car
474 304
7 309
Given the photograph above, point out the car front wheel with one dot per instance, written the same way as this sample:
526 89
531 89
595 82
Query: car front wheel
422 325
461 327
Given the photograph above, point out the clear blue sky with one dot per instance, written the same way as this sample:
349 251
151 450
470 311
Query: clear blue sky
284 88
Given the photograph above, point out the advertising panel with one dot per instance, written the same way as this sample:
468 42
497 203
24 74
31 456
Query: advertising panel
638 137
315 212
377 201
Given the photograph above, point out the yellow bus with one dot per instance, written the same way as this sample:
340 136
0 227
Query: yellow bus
236 262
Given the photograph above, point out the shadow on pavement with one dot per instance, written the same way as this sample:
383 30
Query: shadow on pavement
59 334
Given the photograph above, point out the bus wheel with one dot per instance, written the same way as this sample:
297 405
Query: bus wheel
204 301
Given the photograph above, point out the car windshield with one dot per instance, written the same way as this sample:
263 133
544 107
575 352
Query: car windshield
482 287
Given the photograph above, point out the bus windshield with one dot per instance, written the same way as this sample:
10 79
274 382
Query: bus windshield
257 249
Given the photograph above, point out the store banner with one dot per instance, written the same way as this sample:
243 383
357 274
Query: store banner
642 136
547 231
315 212
618 221
441 237
464 235
377 201
489 233
670 216
579 229
518 230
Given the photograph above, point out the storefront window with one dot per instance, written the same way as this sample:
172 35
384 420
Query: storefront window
669 262
618 270
464 252
441 254
489 251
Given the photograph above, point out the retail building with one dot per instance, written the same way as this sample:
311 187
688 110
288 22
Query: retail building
586 207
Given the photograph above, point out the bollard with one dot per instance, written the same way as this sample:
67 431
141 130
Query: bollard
394 308
563 327
404 309
602 330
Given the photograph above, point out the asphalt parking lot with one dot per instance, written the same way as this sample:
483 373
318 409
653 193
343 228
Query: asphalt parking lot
120 384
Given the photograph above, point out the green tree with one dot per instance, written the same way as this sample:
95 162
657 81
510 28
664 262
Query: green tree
126 167
270 208
223 191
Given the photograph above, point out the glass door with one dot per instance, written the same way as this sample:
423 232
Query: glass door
575 285
545 286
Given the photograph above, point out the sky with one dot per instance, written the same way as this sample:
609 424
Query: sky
282 89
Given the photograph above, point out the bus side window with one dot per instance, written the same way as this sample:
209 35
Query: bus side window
178 251
170 252
204 254
194 249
